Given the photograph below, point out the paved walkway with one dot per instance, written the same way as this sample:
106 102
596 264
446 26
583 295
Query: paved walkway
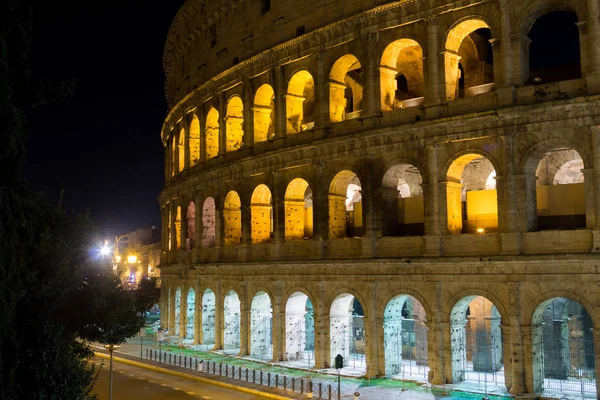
377 389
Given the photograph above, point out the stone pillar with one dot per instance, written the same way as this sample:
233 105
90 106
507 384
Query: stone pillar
519 44
278 325
458 340
525 199
337 101
450 74
248 123
164 305
280 90
183 313
452 204
596 334
198 224
515 337
244 327
202 123
590 207
198 332
246 224
279 218
431 193
437 338
533 358
434 95
219 319
173 225
388 211
172 312
222 125
322 100
372 88
186 141
505 47
321 223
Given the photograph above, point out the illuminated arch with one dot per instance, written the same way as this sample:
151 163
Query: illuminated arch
264 111
261 214
232 216
345 206
402 201
194 141
298 210
345 88
300 102
234 124
212 133
401 60
208 222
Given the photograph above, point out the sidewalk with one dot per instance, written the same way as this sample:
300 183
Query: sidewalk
242 386
376 389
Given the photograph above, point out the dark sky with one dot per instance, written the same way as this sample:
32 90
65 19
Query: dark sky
102 144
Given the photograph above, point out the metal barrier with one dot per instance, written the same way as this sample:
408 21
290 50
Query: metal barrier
319 390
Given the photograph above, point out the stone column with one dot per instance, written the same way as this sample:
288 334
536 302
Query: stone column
198 332
248 126
244 327
198 224
202 123
278 326
595 133
515 337
174 225
387 212
434 95
278 219
596 334
322 100
437 338
172 312
457 338
183 313
322 341
164 305
450 74
219 320
451 207
590 207
222 125
372 88
519 44
526 202
321 223
533 355
505 47
246 224
280 90
186 141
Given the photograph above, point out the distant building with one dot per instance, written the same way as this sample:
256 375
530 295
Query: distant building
137 254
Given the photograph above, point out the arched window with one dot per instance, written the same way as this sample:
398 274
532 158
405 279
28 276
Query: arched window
469 59
194 141
181 150
234 123
298 210
191 225
345 206
261 214
264 111
212 133
300 102
554 52
208 223
402 80
345 89
232 216
402 201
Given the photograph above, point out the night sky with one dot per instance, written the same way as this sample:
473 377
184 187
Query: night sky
102 144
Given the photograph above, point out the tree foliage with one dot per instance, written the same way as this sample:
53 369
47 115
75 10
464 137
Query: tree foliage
55 296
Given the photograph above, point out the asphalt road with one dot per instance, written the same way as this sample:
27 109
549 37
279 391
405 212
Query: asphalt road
132 383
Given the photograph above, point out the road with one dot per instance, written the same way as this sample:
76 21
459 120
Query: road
132 383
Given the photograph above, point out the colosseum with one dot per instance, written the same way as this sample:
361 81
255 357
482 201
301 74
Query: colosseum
414 185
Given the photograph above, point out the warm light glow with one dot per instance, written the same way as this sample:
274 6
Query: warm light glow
105 249
480 230
132 259
118 258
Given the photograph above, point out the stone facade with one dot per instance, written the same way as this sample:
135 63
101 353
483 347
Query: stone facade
376 150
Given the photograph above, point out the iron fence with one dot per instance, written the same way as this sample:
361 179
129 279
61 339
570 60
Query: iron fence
320 390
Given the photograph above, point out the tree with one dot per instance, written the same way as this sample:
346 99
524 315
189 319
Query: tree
54 296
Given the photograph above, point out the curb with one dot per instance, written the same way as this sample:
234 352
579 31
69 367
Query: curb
194 377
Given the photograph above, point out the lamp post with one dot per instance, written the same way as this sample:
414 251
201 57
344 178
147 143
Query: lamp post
130 259
111 348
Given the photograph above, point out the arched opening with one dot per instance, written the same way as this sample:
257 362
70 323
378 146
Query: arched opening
194 141
234 124
191 226
402 201
190 314
405 339
468 59
232 219
471 197
300 102
554 51
261 332
212 133
347 332
178 229
231 322
208 222
401 74
169 228
298 210
264 111
177 311
345 206
261 214
563 350
208 318
476 340
173 156
345 89
560 192
299 331
181 150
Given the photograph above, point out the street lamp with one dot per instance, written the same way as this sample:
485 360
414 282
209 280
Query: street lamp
111 348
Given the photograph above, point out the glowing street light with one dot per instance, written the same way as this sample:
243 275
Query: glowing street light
105 249
132 259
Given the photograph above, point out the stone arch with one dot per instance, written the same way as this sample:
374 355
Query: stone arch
173 154
209 213
469 195
345 206
299 329
476 341
563 353
300 102
264 113
178 228
231 321
467 48
211 133
261 326
532 315
346 330
405 338
402 201
234 124
402 58
181 150
298 210
194 141
232 219
190 325
209 304
555 204
261 214
345 88
191 225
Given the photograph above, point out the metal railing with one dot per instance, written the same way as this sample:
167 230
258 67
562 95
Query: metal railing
319 390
